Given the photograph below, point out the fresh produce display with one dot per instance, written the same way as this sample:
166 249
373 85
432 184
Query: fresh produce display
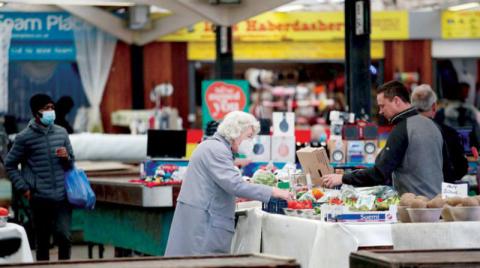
295 204
3 212
264 177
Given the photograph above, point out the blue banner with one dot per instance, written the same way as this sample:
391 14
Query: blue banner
41 35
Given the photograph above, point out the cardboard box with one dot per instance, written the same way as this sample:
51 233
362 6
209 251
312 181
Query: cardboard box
262 149
315 161
283 149
283 124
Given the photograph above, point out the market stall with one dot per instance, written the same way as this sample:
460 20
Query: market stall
315 243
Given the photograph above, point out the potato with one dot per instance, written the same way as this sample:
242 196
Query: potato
418 203
453 201
436 203
407 195
406 201
470 202
424 198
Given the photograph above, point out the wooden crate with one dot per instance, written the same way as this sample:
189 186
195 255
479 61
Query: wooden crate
231 261
415 258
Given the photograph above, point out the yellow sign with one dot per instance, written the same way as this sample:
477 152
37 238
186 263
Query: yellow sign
298 26
333 50
460 24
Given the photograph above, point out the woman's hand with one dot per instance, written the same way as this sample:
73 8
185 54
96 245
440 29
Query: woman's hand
332 180
282 194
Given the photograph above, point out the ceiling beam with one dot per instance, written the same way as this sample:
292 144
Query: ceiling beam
231 14
181 17
103 20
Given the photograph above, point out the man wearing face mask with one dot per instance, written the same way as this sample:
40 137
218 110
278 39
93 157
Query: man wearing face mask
44 152
203 222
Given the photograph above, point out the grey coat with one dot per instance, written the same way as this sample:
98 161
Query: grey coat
203 222
42 172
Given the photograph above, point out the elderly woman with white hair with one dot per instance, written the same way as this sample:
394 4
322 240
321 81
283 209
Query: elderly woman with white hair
203 222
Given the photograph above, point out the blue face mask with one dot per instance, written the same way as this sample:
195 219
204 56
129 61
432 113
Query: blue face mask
48 117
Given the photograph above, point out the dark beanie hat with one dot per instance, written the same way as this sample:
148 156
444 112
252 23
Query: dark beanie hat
39 101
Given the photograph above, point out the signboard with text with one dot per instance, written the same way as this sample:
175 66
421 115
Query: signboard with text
41 35
298 27
219 97
461 24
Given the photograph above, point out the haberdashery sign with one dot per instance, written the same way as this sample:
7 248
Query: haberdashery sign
318 50
460 24
298 26
219 97
40 35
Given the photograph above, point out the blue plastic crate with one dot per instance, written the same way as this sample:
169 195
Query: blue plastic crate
275 205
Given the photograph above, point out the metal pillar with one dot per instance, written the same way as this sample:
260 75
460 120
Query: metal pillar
357 52
224 51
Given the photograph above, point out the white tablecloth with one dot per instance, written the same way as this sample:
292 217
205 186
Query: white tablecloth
23 254
313 243
322 244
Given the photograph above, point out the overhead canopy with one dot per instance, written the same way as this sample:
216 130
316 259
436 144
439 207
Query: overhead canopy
176 14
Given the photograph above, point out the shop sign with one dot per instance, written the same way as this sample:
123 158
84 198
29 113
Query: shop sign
298 26
41 35
219 97
321 50
461 24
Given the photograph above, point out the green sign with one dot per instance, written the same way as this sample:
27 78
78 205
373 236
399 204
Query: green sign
219 97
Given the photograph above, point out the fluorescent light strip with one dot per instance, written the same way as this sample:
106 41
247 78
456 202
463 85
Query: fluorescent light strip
289 8
72 2
464 6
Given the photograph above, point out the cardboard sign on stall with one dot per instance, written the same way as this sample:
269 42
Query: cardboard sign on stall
315 162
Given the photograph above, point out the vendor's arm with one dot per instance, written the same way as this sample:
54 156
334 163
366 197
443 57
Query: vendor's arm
228 178
14 157
387 161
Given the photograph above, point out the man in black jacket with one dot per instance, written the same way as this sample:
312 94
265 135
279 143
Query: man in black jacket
412 157
44 152
455 162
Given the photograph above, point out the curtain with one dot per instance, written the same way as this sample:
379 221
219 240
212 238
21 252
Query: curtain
95 50
5 37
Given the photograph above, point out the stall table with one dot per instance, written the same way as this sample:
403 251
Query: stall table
319 244
258 261
415 258
129 215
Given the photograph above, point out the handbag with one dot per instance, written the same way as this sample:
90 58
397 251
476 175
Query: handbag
79 191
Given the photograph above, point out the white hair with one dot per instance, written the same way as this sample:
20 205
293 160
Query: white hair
423 98
237 122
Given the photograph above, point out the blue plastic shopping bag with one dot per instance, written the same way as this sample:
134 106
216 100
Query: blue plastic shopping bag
79 192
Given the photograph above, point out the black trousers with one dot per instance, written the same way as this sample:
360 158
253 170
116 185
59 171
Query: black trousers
52 217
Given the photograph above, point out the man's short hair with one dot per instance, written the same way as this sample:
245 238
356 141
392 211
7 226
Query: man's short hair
423 97
394 89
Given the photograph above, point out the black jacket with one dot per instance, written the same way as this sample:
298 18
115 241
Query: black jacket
455 162
411 160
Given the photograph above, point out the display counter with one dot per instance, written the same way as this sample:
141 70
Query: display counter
128 215
317 244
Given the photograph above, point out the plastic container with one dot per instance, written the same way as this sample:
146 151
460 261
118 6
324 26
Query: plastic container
424 214
3 221
465 213
402 214
275 205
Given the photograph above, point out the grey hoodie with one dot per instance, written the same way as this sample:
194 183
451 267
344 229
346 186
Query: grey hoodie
42 172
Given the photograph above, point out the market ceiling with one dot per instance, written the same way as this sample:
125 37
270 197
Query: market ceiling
168 16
